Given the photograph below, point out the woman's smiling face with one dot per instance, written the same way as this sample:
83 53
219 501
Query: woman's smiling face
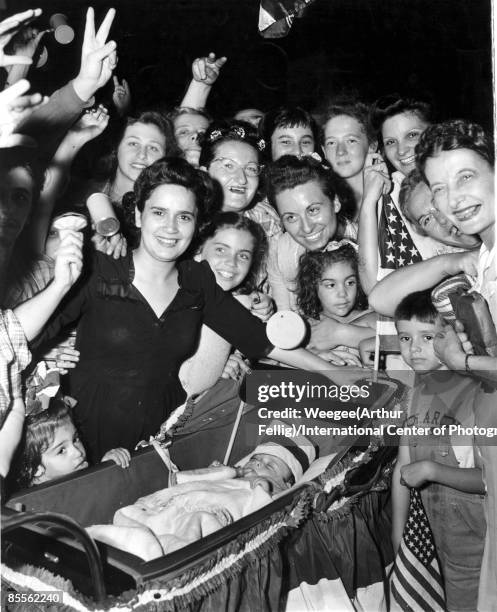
140 146
308 215
230 254
462 184
232 168
167 222
400 135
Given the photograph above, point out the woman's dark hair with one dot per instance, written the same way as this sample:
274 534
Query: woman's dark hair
38 435
289 171
389 106
357 110
237 221
107 166
285 116
452 135
228 131
173 171
417 305
311 267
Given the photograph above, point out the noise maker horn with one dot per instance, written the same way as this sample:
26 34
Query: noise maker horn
63 32
286 329
70 221
102 214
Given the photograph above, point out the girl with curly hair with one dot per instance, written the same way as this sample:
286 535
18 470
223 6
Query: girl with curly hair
328 287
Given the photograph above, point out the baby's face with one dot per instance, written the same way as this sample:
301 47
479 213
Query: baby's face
272 468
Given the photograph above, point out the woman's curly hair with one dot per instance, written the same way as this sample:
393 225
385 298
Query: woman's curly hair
237 221
311 267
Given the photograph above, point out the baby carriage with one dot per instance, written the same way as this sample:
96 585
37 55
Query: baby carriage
323 545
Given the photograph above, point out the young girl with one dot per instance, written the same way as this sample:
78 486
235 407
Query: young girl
235 248
328 287
51 447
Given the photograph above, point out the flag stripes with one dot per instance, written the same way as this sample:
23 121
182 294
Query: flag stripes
417 584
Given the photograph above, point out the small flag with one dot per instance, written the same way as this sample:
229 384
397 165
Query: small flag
276 16
397 248
417 584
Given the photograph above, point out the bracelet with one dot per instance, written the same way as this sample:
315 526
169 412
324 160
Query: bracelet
466 362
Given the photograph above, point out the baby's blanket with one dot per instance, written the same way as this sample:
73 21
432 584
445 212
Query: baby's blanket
187 512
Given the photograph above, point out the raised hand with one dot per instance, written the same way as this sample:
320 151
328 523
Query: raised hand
91 124
121 96
69 259
206 69
376 179
14 108
8 28
98 58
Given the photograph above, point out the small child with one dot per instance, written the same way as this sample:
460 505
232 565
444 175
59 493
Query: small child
443 467
328 286
51 447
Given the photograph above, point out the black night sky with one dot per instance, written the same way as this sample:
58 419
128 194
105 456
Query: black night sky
369 47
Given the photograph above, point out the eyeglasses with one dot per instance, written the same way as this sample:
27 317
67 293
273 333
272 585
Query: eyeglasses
251 169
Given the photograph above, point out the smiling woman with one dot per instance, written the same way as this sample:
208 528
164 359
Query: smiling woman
140 316
305 194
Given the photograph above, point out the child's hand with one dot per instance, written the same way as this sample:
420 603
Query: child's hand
418 473
120 456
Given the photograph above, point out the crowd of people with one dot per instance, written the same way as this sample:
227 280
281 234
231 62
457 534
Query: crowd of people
345 215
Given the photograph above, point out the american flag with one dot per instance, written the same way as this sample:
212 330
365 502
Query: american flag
417 584
397 248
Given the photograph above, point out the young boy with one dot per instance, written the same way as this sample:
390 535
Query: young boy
442 466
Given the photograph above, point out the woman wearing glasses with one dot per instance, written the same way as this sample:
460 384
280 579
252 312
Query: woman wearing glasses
231 154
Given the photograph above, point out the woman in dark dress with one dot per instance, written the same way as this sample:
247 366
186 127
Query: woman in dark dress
140 316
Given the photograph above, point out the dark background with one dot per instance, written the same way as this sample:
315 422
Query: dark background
440 48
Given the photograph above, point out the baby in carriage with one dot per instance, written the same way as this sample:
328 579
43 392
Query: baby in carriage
171 518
